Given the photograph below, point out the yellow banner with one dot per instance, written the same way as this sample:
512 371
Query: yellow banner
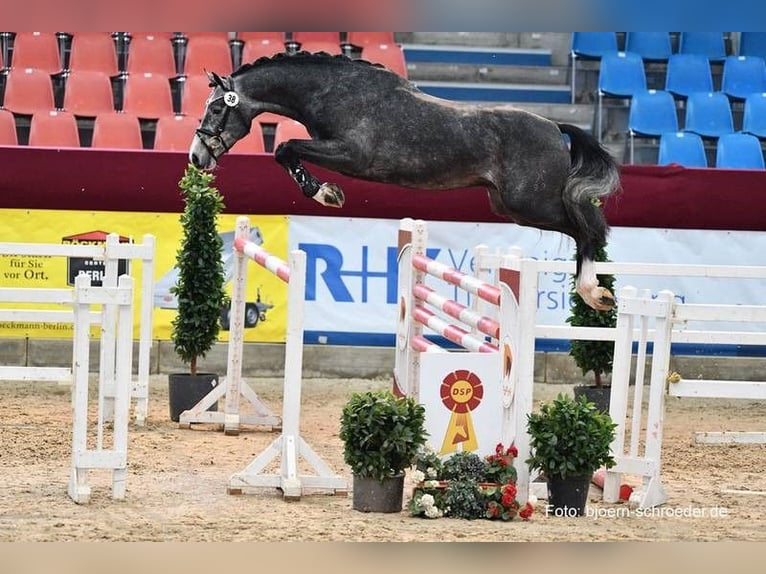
266 295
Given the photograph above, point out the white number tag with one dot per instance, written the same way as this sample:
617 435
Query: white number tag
231 99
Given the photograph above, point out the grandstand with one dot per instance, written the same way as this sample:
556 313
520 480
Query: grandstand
152 75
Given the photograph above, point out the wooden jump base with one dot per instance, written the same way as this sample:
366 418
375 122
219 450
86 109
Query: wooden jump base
111 252
117 334
636 312
290 445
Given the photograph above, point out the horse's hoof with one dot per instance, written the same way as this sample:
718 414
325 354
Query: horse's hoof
606 300
330 195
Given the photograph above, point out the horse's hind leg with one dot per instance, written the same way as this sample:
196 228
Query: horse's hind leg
591 235
328 154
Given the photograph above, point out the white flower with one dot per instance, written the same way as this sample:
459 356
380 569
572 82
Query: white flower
427 501
433 512
431 484
418 476
431 472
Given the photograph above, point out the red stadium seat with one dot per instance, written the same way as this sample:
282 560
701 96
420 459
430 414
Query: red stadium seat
175 133
302 37
117 130
152 54
8 135
288 129
321 46
390 55
53 129
211 53
37 50
93 51
255 49
196 90
28 90
147 96
88 93
278 37
362 39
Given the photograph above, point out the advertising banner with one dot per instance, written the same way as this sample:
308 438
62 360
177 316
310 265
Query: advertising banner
351 293
266 294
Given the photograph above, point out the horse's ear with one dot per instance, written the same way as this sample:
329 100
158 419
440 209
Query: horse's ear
215 79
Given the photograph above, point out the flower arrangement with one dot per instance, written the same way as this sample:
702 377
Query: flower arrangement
467 486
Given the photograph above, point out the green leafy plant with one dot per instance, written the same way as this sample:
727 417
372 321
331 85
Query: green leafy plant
200 285
467 486
596 356
569 437
464 466
381 433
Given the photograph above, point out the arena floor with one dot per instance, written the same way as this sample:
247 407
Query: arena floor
176 486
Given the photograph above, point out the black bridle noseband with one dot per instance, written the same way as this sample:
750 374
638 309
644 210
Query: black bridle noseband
213 141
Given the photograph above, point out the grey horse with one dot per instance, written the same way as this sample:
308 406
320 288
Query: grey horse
369 123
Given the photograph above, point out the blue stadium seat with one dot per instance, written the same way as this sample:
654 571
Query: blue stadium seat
752 44
683 148
652 113
709 44
739 151
651 46
754 116
688 73
589 46
621 75
742 76
709 114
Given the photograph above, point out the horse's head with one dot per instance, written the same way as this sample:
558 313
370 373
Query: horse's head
226 120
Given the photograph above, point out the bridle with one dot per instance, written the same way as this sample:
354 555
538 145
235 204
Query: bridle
212 140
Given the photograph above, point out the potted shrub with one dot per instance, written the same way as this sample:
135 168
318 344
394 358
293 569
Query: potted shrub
569 440
199 289
381 435
595 356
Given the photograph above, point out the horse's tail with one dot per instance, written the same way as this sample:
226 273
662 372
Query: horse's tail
593 175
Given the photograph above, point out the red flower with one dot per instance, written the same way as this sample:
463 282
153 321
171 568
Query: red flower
499 449
509 489
526 512
507 499
512 451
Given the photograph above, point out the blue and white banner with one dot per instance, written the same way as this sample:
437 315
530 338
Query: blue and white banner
351 284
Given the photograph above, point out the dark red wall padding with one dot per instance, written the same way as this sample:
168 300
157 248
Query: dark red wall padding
111 180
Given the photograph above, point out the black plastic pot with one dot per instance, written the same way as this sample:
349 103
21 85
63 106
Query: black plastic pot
597 395
568 496
373 495
186 390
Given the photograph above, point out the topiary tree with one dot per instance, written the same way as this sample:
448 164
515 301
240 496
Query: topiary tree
200 287
596 356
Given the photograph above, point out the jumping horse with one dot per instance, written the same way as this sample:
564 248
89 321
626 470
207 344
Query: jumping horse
369 123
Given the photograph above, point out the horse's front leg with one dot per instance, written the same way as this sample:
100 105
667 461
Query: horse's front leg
289 154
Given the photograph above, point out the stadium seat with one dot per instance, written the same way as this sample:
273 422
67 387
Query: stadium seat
708 114
288 129
752 44
390 55
117 130
153 54
621 75
739 151
196 90
362 39
251 143
321 46
651 46
742 76
754 115
8 135
37 50
147 96
687 73
589 46
652 113
88 93
211 53
93 51
709 44
28 90
175 133
683 148
53 129
259 48
301 37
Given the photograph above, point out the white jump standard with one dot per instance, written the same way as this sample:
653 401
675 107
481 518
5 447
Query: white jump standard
290 445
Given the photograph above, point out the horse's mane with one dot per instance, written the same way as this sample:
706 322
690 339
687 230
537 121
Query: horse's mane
305 57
